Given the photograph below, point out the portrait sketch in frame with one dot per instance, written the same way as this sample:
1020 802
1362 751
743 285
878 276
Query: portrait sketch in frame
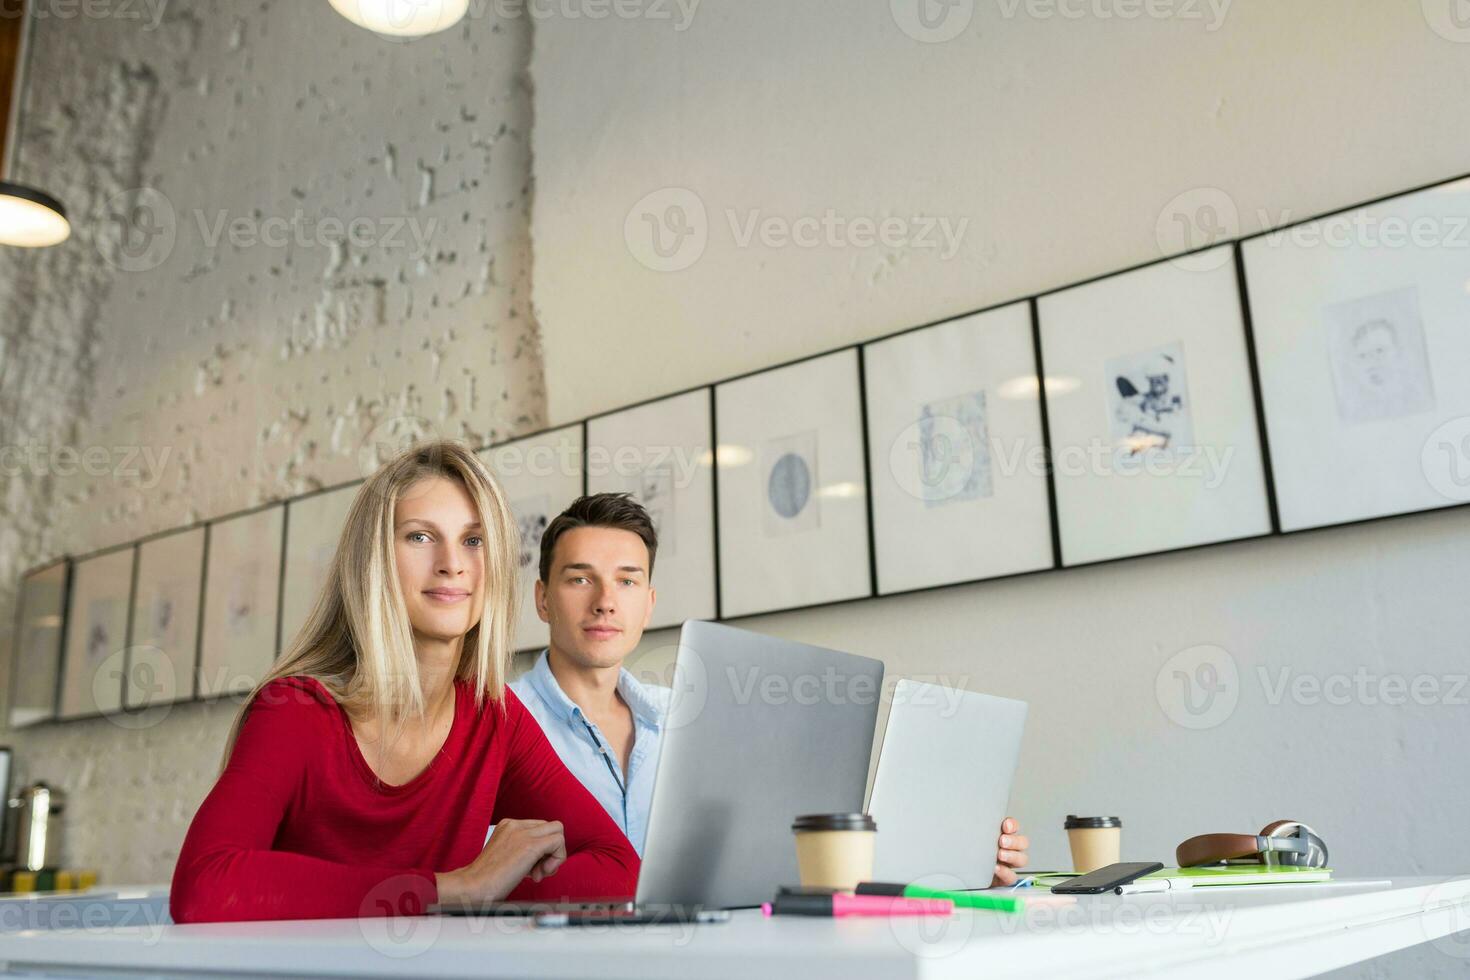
1359 322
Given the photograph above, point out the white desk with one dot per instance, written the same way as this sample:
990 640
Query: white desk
1256 931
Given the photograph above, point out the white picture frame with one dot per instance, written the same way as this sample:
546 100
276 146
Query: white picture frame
793 518
1359 322
35 674
314 527
957 453
662 454
242 586
163 640
1155 441
95 658
541 476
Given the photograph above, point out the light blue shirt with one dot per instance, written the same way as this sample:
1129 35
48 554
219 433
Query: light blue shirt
585 751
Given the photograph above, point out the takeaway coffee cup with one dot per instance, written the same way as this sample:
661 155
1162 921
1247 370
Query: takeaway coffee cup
1096 842
835 850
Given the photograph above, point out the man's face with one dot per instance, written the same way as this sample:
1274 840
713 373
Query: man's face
1374 352
597 597
1158 385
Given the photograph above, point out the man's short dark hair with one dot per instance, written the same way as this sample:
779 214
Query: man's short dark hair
615 510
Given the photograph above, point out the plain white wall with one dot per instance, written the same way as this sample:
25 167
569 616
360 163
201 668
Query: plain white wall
1069 145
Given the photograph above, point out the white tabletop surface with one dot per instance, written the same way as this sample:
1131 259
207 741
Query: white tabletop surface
1263 931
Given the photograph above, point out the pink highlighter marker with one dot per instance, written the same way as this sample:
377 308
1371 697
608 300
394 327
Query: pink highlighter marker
837 906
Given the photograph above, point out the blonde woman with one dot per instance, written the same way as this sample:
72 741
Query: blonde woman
364 772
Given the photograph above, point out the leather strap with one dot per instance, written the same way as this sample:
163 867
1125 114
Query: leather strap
1214 848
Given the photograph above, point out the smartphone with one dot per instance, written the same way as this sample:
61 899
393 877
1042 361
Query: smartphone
1106 879
562 920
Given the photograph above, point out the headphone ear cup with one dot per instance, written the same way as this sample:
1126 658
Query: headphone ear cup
1315 855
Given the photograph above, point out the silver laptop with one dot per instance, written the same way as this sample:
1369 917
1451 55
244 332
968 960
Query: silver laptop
760 731
943 783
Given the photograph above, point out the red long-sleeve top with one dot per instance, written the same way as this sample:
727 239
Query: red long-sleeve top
299 827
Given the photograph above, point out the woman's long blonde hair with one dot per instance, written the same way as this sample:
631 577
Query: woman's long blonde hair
358 641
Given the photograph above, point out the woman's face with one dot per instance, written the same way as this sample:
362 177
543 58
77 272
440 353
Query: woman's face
439 545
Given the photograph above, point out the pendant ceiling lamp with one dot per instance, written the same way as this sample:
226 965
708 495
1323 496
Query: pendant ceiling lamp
403 18
29 218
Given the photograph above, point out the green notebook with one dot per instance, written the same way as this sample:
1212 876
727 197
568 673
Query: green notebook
1235 874
1244 874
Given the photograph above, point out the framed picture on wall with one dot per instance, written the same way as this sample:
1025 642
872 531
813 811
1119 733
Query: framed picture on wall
1154 436
242 591
36 667
541 475
793 510
956 452
662 454
313 528
94 661
1359 323
164 643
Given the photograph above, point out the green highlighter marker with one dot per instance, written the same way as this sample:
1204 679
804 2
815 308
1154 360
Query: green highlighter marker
965 900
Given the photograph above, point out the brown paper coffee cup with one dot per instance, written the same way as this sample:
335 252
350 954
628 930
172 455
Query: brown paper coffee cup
835 850
1096 842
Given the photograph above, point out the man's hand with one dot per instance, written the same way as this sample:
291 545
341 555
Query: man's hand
1010 853
517 850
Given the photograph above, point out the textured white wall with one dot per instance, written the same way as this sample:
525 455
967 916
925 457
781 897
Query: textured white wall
244 348
1068 144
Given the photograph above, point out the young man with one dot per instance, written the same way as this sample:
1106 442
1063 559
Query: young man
595 592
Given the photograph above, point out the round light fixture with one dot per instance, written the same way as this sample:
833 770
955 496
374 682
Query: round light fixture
403 18
31 218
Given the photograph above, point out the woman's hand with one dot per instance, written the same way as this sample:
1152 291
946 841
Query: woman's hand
518 849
